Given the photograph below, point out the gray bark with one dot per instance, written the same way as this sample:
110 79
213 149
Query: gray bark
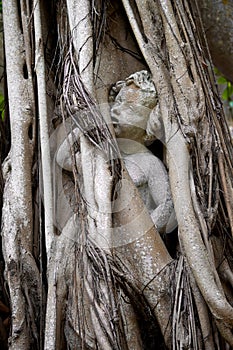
217 19
22 273
108 257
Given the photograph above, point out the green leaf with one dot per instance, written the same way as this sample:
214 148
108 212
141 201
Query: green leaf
1 99
230 89
2 106
226 95
222 80
216 71
231 104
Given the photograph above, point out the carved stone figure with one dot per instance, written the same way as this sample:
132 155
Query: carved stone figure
131 112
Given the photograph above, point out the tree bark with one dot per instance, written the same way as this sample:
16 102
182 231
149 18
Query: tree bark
111 281
218 24
22 274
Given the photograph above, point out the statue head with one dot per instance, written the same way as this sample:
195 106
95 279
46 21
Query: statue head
132 102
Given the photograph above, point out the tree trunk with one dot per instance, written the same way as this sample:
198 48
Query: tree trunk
218 26
21 270
76 234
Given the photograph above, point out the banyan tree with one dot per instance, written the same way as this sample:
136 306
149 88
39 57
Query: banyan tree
116 182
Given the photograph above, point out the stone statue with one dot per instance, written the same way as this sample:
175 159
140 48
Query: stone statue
132 102
131 112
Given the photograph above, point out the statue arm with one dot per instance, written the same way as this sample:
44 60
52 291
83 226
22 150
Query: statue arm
163 215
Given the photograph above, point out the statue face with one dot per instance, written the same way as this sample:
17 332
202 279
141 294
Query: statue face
130 111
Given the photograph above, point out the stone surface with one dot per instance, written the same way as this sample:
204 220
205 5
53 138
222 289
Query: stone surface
133 102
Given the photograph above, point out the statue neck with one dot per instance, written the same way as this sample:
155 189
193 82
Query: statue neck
128 146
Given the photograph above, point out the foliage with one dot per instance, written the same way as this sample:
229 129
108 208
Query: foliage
227 94
2 106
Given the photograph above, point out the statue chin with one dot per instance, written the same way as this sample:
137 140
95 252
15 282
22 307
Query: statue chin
172 223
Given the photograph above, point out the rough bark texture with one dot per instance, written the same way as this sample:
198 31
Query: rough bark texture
22 274
106 275
218 24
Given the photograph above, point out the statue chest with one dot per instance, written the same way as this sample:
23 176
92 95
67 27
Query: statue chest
136 172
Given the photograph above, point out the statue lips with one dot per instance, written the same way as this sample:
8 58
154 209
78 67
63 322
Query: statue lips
116 125
115 121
